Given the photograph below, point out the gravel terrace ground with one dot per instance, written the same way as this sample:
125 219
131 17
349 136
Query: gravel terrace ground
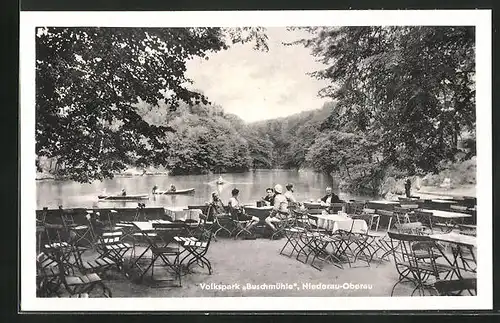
259 262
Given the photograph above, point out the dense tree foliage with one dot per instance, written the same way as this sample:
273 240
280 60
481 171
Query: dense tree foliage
404 97
206 140
288 139
88 81
400 101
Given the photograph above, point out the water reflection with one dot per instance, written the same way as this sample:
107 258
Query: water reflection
252 186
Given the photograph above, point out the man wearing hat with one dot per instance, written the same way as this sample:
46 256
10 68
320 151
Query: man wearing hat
280 208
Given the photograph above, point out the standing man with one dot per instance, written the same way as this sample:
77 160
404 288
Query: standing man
408 187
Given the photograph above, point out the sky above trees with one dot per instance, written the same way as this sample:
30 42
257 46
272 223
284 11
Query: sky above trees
258 85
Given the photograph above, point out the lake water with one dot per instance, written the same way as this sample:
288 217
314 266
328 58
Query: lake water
252 185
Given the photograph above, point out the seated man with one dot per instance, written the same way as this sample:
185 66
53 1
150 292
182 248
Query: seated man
172 188
269 198
239 211
216 207
280 208
330 198
124 192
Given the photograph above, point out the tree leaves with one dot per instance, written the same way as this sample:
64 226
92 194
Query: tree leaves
414 84
90 81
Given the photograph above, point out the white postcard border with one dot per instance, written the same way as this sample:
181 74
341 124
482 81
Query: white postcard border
479 18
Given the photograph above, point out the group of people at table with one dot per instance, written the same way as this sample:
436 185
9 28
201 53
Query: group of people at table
278 198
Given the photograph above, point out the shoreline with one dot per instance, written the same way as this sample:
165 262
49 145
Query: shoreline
422 192
433 191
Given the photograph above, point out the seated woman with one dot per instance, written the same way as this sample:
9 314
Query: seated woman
280 208
239 211
289 194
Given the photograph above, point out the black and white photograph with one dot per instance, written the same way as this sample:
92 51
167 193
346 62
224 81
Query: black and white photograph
332 160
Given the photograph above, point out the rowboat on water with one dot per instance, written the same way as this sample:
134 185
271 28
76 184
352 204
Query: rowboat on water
124 197
170 192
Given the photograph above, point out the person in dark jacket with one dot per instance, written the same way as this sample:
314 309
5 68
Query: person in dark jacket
216 207
269 198
330 197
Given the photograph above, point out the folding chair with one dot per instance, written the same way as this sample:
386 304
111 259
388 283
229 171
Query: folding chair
335 207
205 224
371 217
285 222
110 223
48 282
61 253
424 219
109 245
193 222
78 232
196 251
139 212
292 236
40 229
354 244
240 226
98 265
465 256
305 244
415 260
300 217
327 248
456 287
375 238
313 224
76 284
161 248
55 244
356 208
222 222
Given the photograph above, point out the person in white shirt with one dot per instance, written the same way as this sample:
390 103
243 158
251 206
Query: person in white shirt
280 208
289 194
239 211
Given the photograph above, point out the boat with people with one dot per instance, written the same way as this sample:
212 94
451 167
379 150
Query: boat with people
220 181
169 192
172 190
120 197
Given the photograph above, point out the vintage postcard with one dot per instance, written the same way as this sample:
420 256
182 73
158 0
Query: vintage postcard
256 161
